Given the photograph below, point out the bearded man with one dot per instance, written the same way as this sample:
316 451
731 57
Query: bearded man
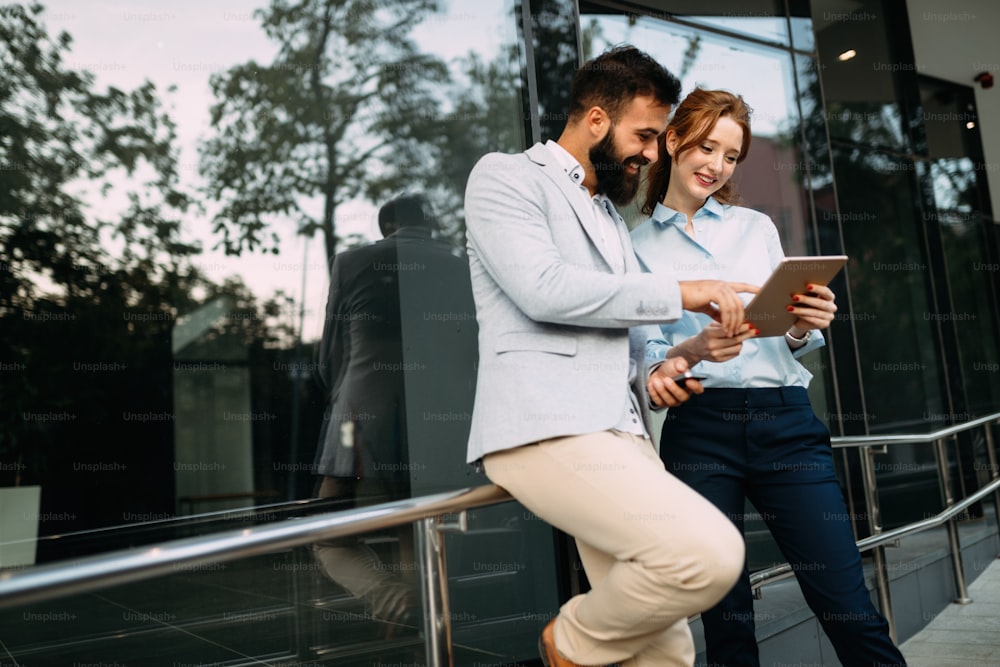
562 396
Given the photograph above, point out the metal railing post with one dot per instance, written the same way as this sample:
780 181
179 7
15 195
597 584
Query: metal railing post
299 643
991 454
433 566
875 527
433 582
941 457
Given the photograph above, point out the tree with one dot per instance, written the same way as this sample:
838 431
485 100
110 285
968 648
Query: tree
488 110
59 137
554 40
342 112
484 115
57 132
89 301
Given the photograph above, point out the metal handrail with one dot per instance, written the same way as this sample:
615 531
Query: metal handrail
46 582
878 537
784 570
774 572
899 439
91 573
891 536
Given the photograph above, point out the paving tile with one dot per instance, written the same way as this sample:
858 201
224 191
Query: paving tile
962 635
976 608
959 636
952 622
988 654
916 661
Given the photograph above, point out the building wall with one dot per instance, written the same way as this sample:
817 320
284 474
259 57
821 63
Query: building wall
956 43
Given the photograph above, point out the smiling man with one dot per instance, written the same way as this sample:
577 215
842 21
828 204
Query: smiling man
561 407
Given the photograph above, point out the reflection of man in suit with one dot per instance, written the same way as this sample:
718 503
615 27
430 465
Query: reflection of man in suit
557 287
389 339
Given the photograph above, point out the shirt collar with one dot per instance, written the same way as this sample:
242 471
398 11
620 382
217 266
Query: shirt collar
663 214
566 160
576 173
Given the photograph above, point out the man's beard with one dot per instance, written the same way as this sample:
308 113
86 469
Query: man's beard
612 180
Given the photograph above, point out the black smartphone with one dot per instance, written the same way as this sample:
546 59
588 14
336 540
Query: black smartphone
685 376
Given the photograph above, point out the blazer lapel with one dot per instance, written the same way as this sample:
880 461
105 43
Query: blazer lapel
540 155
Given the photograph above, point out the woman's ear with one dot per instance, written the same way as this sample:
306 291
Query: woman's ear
672 141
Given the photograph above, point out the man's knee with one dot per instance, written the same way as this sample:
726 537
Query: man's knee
706 569
724 556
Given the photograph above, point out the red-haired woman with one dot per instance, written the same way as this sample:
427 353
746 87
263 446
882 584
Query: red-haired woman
752 434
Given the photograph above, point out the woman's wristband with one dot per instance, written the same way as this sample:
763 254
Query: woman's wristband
796 342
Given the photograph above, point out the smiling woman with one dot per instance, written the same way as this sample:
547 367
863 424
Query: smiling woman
752 434
863 157
167 233
704 148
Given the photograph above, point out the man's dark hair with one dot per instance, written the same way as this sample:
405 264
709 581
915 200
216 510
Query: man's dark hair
616 77
410 210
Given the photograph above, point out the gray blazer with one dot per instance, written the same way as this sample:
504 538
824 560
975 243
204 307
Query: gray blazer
554 318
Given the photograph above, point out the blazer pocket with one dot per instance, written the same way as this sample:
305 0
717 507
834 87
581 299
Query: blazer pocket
531 341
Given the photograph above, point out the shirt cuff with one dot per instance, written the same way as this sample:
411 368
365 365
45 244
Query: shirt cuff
816 341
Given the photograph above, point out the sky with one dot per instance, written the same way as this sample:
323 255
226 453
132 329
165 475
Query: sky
182 43
761 74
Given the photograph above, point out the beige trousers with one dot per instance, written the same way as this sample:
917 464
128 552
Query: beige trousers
654 550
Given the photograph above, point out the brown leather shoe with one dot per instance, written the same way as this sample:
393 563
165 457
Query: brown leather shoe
547 648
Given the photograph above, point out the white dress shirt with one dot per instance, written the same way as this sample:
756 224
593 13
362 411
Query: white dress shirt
730 243
607 219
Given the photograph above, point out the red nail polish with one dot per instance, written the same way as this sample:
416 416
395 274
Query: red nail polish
810 288
791 308
795 297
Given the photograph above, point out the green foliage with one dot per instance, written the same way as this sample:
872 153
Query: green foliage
58 136
343 111
554 30
88 301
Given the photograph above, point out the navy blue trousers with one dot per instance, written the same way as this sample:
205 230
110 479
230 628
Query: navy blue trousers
768 446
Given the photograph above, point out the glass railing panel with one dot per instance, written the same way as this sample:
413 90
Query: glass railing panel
277 608
345 601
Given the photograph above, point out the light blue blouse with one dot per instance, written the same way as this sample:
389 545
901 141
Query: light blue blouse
731 243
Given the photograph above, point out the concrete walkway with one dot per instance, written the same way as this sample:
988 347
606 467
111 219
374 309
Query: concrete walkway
962 635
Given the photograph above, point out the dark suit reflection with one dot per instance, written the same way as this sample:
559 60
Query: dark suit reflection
390 311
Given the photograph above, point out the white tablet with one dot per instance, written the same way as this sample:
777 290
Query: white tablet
768 310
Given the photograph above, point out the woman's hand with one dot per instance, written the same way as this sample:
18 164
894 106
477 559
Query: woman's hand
663 391
813 310
718 299
712 344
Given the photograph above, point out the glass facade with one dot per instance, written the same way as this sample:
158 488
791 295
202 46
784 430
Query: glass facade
269 291
203 314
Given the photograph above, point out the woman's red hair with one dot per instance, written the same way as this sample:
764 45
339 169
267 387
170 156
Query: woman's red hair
693 121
